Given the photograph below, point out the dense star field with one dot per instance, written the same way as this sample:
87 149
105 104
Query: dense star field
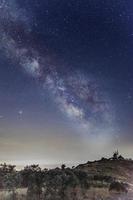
66 80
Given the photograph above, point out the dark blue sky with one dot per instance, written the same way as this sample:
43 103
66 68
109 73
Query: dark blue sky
96 37
64 63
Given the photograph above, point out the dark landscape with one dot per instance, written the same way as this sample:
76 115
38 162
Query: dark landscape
105 179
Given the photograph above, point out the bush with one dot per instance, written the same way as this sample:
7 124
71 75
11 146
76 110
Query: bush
119 187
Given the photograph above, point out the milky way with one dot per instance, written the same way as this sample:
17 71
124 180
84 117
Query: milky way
79 97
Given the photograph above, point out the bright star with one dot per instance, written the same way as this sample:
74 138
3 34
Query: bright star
20 112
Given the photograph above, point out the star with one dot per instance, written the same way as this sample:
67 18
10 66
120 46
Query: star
20 112
129 97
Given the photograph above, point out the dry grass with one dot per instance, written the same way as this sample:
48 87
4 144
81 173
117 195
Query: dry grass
91 194
20 193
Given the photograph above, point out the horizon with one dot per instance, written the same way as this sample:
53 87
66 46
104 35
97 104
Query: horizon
58 165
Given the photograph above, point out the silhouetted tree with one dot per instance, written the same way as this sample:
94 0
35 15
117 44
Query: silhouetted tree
120 157
63 166
115 155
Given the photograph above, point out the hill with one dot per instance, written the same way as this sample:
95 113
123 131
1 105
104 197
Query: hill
121 170
112 178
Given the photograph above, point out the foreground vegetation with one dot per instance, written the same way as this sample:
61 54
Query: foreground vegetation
103 179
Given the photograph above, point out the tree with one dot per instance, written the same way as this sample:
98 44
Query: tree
63 166
115 155
10 178
32 177
120 157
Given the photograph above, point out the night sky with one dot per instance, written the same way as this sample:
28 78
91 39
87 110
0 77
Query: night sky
66 80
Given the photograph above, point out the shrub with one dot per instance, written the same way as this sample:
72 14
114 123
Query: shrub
119 187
